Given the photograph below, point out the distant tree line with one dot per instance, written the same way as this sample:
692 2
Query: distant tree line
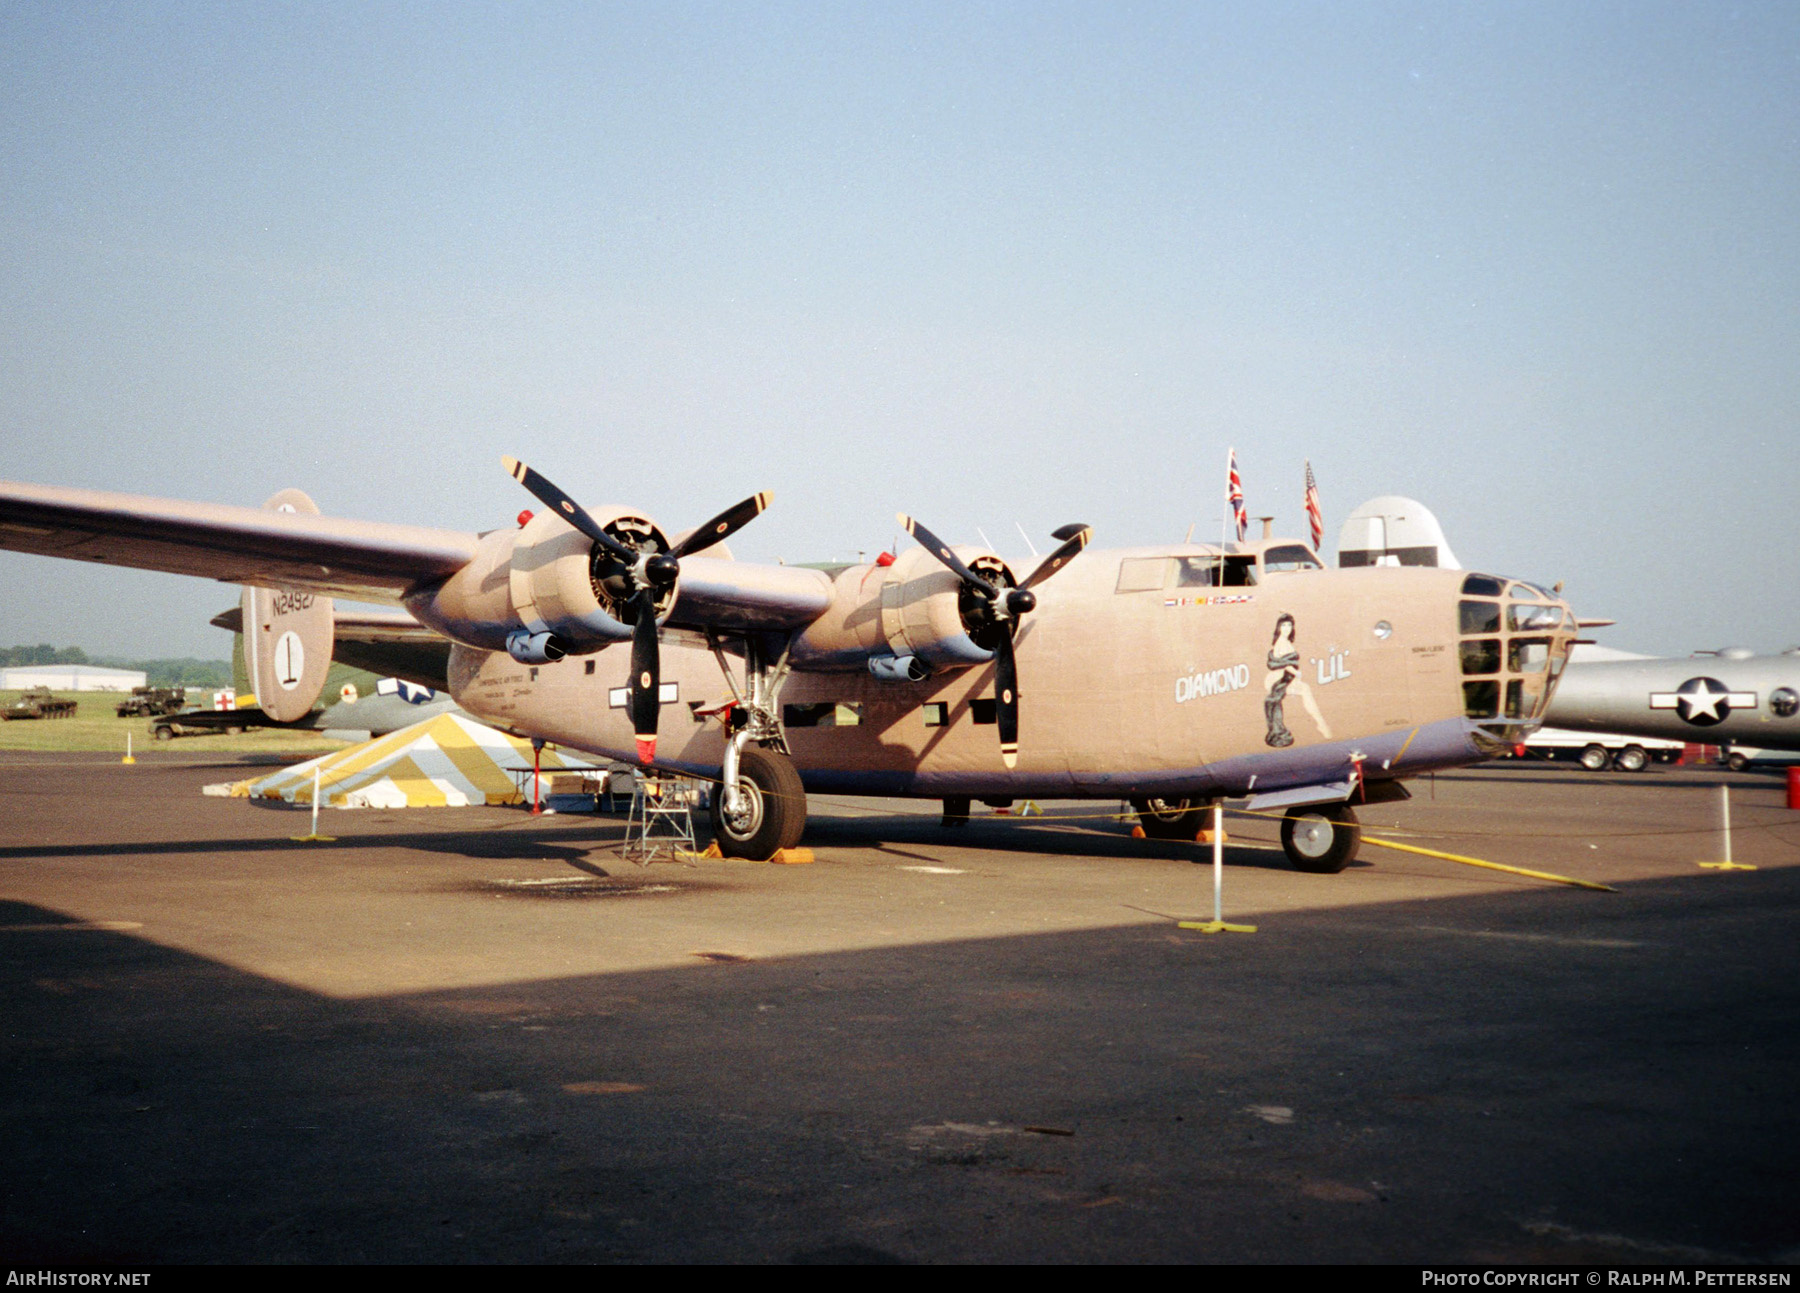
183 672
42 654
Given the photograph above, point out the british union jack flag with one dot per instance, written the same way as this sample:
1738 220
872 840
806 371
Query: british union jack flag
1234 494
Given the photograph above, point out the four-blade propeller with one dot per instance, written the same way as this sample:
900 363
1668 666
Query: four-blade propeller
991 611
990 605
647 573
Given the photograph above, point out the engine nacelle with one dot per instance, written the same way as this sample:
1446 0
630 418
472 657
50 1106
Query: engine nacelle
540 592
912 608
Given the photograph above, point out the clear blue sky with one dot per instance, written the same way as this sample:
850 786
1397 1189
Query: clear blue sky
1537 265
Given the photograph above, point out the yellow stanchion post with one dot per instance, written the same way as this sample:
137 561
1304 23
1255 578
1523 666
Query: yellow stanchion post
1217 924
128 758
1725 829
313 837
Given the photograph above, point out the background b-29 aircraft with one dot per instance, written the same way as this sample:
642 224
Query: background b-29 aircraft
1716 697
1171 676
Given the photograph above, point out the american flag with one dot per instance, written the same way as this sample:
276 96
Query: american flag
1315 515
1234 494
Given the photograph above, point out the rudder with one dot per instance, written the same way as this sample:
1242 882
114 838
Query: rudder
288 636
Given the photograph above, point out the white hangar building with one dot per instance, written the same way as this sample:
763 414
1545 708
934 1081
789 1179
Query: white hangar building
70 677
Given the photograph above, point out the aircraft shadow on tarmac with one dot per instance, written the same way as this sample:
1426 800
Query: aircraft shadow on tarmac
587 841
1047 836
1469 1079
543 843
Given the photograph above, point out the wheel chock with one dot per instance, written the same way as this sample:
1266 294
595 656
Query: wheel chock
781 857
1137 833
1206 837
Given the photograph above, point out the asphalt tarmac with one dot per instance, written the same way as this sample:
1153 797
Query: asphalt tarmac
475 1036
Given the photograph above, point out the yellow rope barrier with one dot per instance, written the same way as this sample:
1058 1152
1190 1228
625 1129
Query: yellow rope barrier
1490 866
1054 820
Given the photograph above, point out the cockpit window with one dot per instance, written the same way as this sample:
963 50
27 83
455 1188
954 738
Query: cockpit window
1145 574
1289 556
1481 699
1481 655
1531 592
1527 655
1240 572
1142 574
1482 586
1533 619
1195 572
1480 617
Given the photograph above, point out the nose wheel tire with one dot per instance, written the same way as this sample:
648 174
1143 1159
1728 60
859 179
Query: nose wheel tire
771 810
1170 819
1321 839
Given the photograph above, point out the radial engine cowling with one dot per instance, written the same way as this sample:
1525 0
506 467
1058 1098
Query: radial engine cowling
917 609
541 592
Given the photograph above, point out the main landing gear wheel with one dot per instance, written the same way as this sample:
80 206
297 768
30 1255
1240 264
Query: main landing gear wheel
1170 819
771 813
1321 839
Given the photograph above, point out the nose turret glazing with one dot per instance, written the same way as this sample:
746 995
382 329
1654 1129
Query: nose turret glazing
1513 641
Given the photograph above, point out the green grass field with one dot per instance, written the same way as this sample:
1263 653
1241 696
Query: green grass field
96 726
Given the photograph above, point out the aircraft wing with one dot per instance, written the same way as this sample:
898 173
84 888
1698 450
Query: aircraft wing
743 595
367 561
361 560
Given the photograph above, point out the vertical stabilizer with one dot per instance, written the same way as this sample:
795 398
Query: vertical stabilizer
1394 531
287 636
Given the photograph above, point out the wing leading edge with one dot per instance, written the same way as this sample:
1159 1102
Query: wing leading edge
364 560
369 561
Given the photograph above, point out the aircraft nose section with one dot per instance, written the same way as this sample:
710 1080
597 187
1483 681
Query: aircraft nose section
1514 642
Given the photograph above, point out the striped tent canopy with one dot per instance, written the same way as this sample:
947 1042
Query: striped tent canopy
446 761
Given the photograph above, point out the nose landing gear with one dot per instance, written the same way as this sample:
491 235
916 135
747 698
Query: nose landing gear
1322 838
